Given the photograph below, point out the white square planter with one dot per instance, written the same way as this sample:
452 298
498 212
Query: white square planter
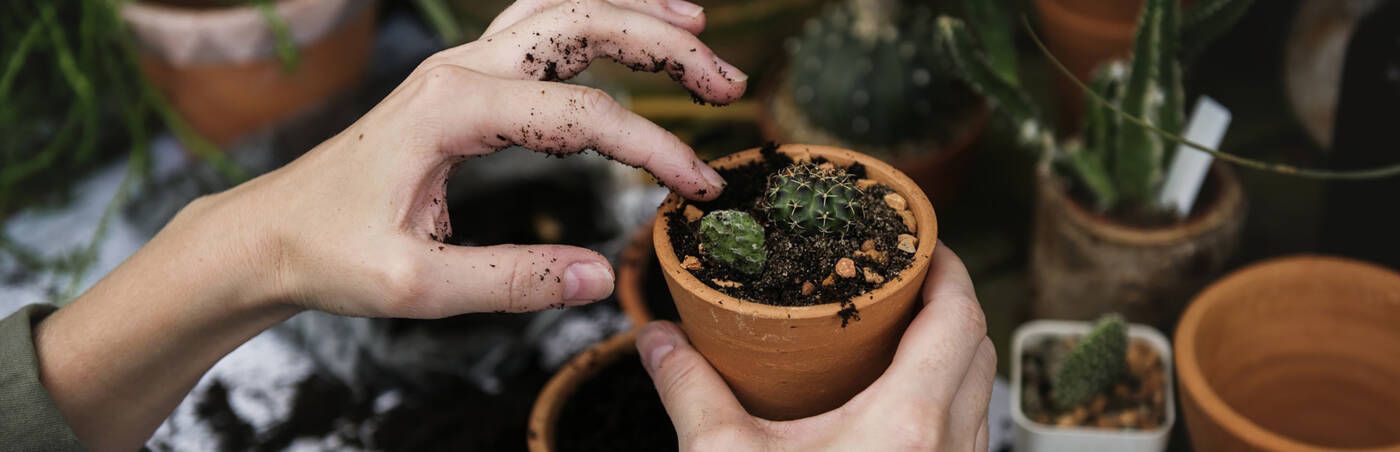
1032 436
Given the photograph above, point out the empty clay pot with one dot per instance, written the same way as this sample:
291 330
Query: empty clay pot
1299 354
794 362
1084 264
631 276
544 417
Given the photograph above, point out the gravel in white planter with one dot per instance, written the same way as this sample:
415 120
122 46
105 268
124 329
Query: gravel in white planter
1032 436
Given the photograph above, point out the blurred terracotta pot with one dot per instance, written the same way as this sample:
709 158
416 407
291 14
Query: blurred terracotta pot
1083 34
794 362
1297 354
1084 264
219 66
940 169
636 261
544 417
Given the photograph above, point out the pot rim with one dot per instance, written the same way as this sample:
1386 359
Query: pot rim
1037 328
232 34
927 234
1193 381
631 275
544 415
1228 200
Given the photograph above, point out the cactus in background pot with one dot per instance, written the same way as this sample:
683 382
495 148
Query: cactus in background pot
1095 363
733 239
1119 163
810 197
867 71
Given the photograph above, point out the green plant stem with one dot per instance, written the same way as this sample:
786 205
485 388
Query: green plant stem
1310 173
286 45
439 16
17 59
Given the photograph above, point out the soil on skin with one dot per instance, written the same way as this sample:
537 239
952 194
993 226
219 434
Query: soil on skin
616 410
1135 401
794 258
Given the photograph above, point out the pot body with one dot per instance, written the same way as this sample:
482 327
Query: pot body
1083 34
1032 436
544 417
793 362
1084 265
219 68
631 276
1299 353
940 169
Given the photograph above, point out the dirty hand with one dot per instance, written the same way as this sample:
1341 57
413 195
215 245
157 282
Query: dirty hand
361 218
934 395
355 225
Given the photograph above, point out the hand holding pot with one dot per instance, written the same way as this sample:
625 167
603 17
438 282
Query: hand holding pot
355 226
934 395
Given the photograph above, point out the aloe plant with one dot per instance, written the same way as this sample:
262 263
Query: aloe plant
1118 162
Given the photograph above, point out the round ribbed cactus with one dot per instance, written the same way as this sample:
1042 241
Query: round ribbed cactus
870 72
808 197
1095 362
733 239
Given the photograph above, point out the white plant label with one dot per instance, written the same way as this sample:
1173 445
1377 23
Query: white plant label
1187 173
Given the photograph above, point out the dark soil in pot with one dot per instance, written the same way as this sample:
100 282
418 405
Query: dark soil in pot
1134 401
616 410
796 259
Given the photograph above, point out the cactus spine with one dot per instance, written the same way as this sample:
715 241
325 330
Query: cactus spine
867 71
1095 362
1119 163
733 239
809 197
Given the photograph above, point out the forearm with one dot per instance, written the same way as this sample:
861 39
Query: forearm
120 358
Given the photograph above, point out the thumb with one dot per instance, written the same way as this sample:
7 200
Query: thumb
695 396
509 278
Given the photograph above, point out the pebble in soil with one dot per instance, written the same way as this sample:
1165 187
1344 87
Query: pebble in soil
795 258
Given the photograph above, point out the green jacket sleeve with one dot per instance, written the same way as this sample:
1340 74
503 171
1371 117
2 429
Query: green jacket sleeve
29 418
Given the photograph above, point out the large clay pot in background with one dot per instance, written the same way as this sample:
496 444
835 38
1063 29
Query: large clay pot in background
940 169
1084 264
1297 354
793 362
544 417
219 66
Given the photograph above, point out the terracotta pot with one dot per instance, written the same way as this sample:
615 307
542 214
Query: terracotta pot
1299 354
1083 34
219 66
939 169
793 362
1032 436
544 417
1084 264
636 259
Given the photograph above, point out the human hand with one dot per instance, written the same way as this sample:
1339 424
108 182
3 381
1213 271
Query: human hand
357 223
934 395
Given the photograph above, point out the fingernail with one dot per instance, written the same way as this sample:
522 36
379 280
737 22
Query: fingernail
712 177
730 72
685 8
654 342
587 281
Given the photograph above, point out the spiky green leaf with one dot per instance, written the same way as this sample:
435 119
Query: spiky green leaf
995 33
972 65
1138 155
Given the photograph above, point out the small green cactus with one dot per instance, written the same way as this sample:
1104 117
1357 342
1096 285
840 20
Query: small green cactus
734 239
869 73
809 197
1094 363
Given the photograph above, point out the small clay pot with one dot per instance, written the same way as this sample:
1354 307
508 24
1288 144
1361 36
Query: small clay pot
218 65
794 362
544 417
636 259
940 169
1084 264
1299 354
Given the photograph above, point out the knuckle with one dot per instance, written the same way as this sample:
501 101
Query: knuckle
597 103
519 286
974 320
720 436
400 281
